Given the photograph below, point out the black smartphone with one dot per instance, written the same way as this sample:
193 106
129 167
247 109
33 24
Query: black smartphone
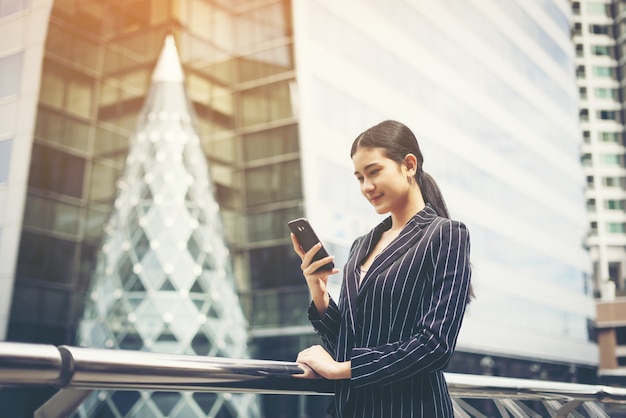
307 238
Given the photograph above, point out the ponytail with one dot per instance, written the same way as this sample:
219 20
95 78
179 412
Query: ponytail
431 193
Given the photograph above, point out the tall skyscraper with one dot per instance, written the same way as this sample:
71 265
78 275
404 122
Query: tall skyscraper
596 35
489 89
280 89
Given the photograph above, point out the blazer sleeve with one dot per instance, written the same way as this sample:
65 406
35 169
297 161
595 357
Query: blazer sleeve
432 344
327 325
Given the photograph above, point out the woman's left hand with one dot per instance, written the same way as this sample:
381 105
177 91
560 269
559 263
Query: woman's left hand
320 363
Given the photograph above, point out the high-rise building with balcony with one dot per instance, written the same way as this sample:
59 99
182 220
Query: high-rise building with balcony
280 89
598 28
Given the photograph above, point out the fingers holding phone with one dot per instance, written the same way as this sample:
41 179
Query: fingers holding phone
312 264
316 265
316 262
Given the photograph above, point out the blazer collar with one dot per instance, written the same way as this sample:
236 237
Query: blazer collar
405 238
421 220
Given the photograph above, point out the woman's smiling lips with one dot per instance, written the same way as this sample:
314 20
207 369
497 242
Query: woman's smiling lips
376 198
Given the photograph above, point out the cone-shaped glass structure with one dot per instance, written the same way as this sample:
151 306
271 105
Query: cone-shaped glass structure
163 280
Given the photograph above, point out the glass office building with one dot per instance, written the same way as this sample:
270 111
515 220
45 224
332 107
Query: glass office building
280 90
491 95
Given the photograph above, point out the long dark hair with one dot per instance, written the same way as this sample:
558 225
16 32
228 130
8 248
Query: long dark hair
397 140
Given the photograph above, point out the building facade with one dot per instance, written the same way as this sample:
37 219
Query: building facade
598 37
280 89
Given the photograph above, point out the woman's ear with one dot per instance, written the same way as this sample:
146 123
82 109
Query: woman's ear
410 162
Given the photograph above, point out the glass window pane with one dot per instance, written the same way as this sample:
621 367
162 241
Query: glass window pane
10 74
603 71
610 136
610 159
135 83
109 93
26 302
616 227
265 63
271 225
54 305
254 106
52 89
201 13
5 158
45 258
97 216
198 89
273 142
602 50
51 215
54 127
8 7
79 95
76 134
274 183
71 46
104 174
88 260
222 102
109 141
274 266
66 88
220 150
263 24
266 103
596 8
59 41
56 171
85 53
606 93
49 125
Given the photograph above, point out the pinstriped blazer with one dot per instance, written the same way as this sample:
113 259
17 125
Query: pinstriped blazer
400 326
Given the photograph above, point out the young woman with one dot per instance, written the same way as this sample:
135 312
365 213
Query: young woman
404 292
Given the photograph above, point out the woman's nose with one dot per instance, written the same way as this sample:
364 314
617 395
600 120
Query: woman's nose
368 186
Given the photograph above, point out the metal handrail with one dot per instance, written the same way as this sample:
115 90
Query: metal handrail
78 371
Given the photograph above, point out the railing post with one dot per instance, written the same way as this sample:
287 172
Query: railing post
566 408
63 404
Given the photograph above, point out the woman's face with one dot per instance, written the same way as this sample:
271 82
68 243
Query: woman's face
384 182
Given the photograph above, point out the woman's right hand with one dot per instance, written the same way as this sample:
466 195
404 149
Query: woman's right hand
316 279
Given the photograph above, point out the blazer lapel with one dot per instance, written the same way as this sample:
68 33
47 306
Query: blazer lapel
399 246
353 271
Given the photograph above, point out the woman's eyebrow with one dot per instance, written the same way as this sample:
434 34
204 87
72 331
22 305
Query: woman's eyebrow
367 167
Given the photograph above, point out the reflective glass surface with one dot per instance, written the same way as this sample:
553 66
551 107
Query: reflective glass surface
5 159
8 7
10 74
56 171
95 77
490 93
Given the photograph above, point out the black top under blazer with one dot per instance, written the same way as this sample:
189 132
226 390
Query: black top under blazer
400 326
